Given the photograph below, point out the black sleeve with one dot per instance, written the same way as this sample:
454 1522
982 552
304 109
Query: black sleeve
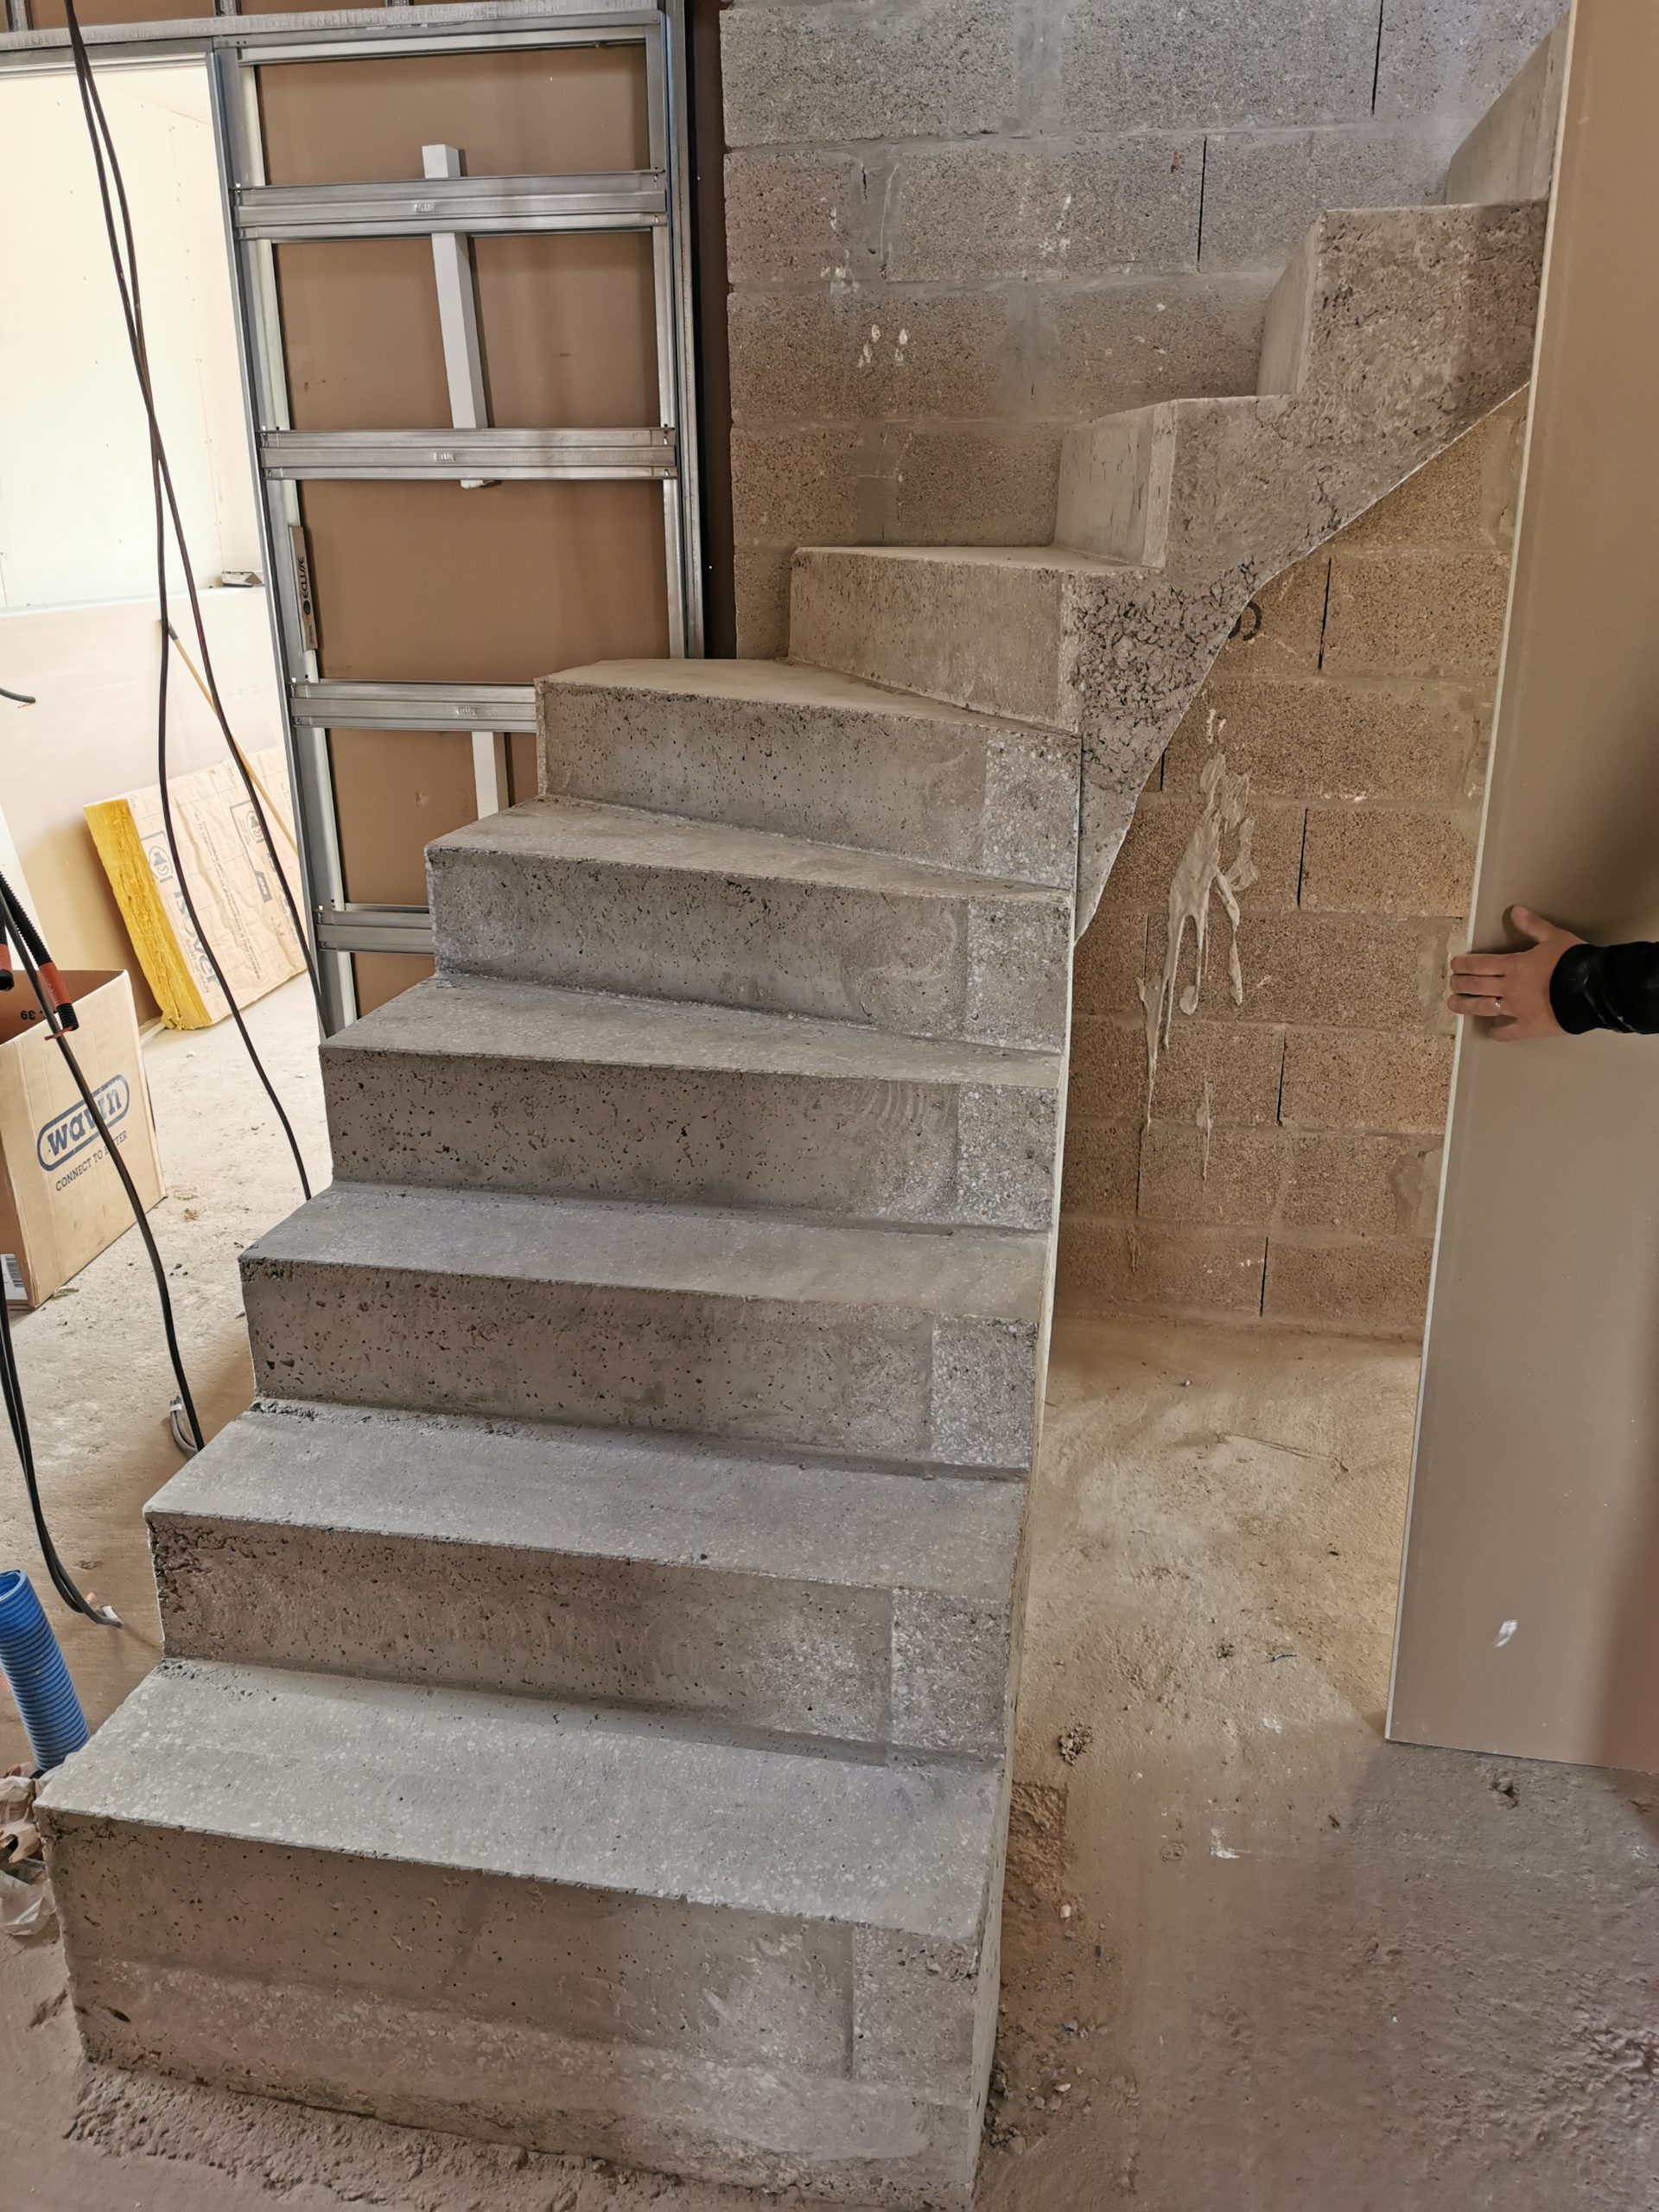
1607 987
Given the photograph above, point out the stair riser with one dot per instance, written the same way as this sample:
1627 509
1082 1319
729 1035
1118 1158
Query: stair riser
922 1670
974 634
951 793
914 1152
880 1382
550 2016
984 971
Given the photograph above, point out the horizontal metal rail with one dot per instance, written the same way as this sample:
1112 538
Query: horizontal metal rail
374 929
626 199
324 36
316 705
492 456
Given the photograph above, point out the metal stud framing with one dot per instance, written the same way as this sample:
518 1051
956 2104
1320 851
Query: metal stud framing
449 207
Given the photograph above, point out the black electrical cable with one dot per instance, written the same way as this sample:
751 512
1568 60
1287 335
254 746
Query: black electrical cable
18 698
107 170
16 1415
24 938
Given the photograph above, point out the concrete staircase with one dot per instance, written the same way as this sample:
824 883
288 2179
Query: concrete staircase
585 1718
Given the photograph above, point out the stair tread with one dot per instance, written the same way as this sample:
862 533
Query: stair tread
996 1274
1064 560
469 1017
775 683
577 831
582 1796
612 1495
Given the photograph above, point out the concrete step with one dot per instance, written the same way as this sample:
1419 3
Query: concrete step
978 626
823 1600
904 1343
764 745
1425 315
591 1932
473 1082
614 899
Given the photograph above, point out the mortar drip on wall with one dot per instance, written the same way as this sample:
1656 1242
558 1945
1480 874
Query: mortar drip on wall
1200 877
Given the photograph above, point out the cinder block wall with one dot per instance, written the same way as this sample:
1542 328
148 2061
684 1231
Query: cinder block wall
1357 697
956 225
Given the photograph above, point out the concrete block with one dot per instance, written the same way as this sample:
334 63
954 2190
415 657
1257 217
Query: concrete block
1236 1065
1384 859
611 899
1164 826
1230 1180
1150 1266
799 218
970 486
1455 57
916 1344
1106 347
1360 1079
1375 972
1103 1166
764 1594
1320 739
801 485
858 355
1362 1185
952 1662
909 69
1109 963
1511 153
815 755
477 1084
970 214
761 583
1281 631
918 2009
1417 614
1263 188
1466 496
1120 66
1369 1287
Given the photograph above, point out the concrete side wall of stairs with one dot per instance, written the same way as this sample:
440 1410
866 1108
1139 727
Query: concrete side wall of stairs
1291 1167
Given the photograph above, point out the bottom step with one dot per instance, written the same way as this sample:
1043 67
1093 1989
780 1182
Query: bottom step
567 1926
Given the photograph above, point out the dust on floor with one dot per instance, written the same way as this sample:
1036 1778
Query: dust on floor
1255 1960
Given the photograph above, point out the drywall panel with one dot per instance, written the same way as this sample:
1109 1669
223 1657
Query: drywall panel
48 15
378 977
76 516
555 110
429 583
92 735
1529 1611
568 324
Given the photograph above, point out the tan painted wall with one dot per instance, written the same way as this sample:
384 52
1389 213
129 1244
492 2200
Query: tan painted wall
1359 709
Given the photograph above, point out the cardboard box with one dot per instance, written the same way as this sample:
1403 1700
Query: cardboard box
61 1203
232 882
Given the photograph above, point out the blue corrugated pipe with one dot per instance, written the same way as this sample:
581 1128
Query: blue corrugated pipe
40 1681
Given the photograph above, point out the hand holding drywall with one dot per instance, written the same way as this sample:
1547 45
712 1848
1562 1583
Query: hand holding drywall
1512 989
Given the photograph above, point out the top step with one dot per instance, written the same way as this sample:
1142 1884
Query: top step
765 745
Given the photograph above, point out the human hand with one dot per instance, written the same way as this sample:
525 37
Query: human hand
1512 989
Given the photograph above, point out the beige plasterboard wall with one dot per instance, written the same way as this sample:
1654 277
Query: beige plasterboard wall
1529 1621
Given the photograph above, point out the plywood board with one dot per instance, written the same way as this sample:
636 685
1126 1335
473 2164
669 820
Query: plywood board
48 15
378 977
558 111
1529 1610
568 326
428 583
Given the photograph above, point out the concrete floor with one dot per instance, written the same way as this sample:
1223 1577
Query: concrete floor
1255 1961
